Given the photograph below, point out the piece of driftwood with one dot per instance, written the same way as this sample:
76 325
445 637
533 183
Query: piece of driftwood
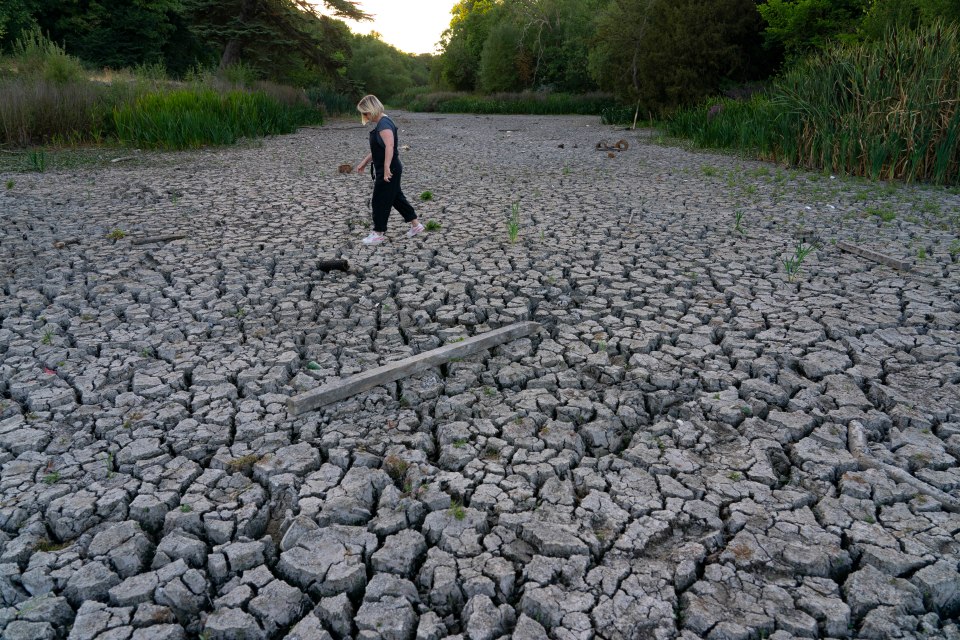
392 371
857 444
893 263
66 242
345 168
333 265
153 239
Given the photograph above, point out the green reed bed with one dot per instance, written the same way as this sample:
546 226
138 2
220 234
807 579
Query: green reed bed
885 110
332 102
192 118
35 111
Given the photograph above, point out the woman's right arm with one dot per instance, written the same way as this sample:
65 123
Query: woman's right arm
363 163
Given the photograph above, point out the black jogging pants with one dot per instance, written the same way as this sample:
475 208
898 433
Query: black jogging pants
387 195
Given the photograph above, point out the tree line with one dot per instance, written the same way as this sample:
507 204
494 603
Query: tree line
654 53
660 53
287 41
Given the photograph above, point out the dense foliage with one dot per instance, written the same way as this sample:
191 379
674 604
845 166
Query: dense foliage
868 109
656 53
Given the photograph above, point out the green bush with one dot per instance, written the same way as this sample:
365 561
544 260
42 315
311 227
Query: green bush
192 118
885 110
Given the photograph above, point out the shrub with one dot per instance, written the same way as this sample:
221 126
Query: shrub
36 56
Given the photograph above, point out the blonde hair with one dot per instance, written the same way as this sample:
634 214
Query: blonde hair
370 108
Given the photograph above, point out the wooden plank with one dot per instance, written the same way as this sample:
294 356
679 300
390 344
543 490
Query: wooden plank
893 263
392 371
153 239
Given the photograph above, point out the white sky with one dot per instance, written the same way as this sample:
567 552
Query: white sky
413 26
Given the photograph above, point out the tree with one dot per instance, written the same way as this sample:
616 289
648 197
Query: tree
464 40
262 31
16 16
556 38
670 52
910 14
499 69
379 68
800 26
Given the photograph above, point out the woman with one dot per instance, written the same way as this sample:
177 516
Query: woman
385 155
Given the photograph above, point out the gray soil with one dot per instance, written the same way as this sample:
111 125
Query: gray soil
698 445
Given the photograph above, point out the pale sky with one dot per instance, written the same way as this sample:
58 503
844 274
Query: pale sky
413 26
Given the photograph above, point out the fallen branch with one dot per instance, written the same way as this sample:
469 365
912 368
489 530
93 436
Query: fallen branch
153 239
857 444
873 255
392 371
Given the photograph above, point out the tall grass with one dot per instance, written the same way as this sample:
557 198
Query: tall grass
191 118
331 102
511 103
46 97
885 110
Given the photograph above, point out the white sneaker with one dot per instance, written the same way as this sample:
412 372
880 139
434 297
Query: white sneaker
415 230
374 238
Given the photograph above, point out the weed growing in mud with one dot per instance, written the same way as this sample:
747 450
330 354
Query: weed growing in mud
738 221
117 234
793 265
426 195
884 213
395 467
38 161
432 225
10 184
457 510
513 225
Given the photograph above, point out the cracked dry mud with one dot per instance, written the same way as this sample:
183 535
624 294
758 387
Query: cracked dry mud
668 459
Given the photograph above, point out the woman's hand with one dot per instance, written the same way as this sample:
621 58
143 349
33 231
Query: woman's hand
361 166
387 174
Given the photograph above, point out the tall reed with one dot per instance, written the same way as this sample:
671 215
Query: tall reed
191 118
885 110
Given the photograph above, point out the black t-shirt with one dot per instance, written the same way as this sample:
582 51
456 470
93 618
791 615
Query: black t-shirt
378 149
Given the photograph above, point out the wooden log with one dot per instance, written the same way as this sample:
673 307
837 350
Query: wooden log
333 265
392 371
893 263
151 240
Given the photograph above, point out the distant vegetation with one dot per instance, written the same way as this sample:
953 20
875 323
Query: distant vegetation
809 82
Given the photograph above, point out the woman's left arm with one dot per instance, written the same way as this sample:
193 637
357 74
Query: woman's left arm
387 136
